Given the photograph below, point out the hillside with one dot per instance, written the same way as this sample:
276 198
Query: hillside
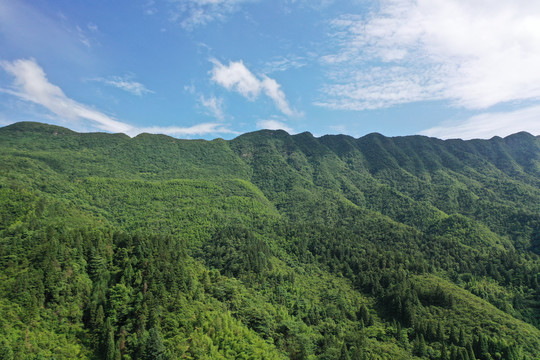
268 246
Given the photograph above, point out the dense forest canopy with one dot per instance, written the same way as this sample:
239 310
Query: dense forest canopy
268 246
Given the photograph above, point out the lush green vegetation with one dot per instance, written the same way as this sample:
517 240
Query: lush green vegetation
268 246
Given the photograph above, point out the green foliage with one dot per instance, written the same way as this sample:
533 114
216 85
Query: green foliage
268 246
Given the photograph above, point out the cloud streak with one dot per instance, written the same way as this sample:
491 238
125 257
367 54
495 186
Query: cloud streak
283 63
24 27
487 125
214 106
198 129
273 124
475 54
31 84
125 83
197 13
237 77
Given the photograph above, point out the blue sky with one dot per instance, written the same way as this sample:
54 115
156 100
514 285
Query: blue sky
219 68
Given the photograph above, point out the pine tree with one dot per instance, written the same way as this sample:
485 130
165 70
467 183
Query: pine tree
440 332
365 316
444 352
454 354
453 337
5 351
481 347
154 349
419 346
470 352
110 346
344 354
461 340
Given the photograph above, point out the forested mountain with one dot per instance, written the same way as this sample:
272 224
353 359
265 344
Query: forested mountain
268 246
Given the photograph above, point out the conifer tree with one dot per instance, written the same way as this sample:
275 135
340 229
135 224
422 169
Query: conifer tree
6 353
154 349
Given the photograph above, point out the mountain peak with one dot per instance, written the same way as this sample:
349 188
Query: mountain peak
31 126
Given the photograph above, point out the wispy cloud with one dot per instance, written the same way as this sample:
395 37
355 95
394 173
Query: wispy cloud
31 84
487 125
25 27
273 124
196 13
198 129
125 83
82 37
284 63
214 106
341 129
475 54
319 5
92 27
150 7
237 77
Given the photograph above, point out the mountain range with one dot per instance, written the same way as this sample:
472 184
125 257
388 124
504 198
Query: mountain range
268 246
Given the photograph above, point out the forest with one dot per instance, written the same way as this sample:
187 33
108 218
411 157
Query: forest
268 246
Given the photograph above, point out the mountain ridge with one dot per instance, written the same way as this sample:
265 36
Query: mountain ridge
39 126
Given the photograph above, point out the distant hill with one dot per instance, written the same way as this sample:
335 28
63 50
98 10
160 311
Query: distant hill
267 246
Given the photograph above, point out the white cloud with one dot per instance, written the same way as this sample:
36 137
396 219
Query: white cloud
198 129
92 27
319 5
488 125
195 13
341 129
274 125
31 85
149 8
381 87
190 88
282 63
237 77
125 83
214 106
82 37
273 90
474 53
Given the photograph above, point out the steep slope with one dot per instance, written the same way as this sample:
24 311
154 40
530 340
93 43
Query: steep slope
413 180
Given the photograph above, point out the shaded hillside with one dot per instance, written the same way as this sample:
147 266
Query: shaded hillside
268 246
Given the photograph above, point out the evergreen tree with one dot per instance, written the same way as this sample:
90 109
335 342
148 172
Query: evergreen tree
109 343
6 353
419 346
444 352
461 339
154 348
344 353
470 352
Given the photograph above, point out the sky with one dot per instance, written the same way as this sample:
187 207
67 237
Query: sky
219 68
